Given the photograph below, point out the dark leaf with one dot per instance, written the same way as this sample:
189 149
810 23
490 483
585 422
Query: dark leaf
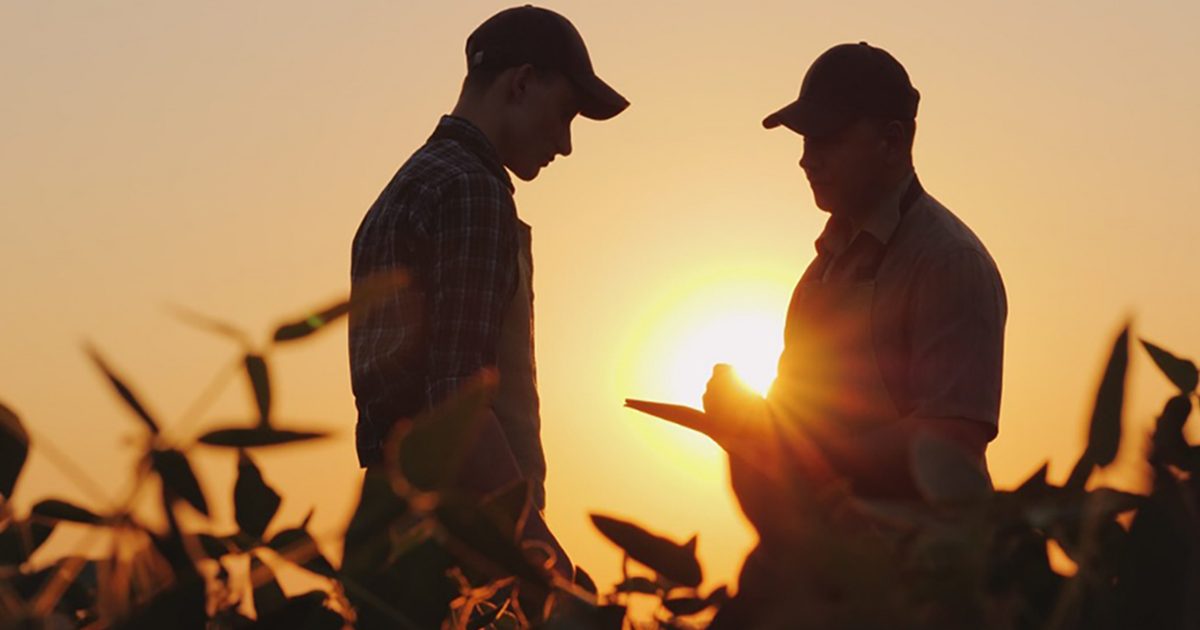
268 596
260 384
584 581
204 322
1182 372
367 543
638 584
14 448
945 474
432 451
303 612
673 561
19 539
1106 503
257 436
1170 445
684 606
122 389
254 502
1104 434
509 507
298 546
1036 485
482 545
56 510
177 476
364 294
215 548
312 323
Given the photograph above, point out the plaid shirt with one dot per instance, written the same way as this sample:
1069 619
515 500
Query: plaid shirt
447 218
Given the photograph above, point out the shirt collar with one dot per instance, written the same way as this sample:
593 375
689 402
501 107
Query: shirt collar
881 223
465 133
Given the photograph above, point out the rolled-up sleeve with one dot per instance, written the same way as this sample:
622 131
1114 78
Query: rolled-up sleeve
958 314
472 280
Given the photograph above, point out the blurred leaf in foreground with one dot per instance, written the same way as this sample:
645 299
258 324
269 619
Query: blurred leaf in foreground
432 447
14 448
57 510
675 562
177 476
260 384
1181 372
123 390
365 294
1104 434
254 502
243 437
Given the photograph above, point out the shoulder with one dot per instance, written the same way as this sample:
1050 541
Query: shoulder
941 239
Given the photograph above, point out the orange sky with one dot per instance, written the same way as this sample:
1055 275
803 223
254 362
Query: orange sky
220 155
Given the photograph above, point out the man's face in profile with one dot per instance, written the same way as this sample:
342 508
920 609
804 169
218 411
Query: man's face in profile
539 123
845 168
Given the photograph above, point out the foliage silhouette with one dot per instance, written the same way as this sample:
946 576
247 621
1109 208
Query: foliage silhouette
419 552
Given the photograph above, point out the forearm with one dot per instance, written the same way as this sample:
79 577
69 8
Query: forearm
878 460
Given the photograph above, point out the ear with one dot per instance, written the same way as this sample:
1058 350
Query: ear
518 81
895 140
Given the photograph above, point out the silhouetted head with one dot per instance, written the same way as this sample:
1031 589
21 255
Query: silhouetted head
528 76
857 112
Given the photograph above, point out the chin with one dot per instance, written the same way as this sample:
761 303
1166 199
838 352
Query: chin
526 174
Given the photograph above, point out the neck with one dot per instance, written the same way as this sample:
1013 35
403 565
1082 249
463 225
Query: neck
482 116
858 214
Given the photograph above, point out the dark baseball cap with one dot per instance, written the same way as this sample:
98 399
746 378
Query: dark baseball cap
544 39
845 84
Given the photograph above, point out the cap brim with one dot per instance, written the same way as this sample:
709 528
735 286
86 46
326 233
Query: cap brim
597 100
806 120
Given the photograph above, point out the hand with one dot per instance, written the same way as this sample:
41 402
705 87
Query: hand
728 401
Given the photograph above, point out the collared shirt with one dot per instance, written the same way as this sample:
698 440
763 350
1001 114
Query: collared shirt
939 310
448 220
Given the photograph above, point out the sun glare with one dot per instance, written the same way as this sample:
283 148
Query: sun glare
733 320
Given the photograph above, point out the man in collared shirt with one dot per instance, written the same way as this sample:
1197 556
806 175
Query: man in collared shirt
447 219
896 327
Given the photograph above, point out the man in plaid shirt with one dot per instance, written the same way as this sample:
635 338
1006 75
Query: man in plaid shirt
448 220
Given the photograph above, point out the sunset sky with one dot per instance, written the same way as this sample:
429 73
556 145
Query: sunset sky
220 155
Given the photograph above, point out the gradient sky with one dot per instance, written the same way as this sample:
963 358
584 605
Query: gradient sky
219 155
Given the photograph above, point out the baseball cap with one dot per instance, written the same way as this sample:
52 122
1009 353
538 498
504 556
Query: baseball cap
847 83
544 39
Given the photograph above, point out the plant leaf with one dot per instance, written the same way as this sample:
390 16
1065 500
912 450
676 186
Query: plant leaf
210 324
1181 372
945 474
1036 484
364 294
177 476
14 448
684 606
268 595
243 437
298 546
584 581
638 584
260 384
487 548
432 451
673 561
1169 444
1104 434
255 503
58 510
123 390
366 545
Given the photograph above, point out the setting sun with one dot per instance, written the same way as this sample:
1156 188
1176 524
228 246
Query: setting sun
734 318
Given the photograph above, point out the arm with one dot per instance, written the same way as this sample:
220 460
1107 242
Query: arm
469 286
957 331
